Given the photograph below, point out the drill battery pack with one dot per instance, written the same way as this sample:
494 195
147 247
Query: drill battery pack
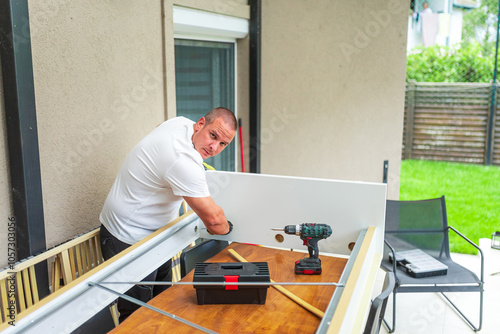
308 266
231 272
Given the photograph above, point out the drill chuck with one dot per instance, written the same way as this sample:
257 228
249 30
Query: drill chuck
292 229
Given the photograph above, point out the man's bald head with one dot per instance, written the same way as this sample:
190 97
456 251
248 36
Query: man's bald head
224 113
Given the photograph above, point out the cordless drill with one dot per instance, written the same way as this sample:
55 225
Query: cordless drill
310 233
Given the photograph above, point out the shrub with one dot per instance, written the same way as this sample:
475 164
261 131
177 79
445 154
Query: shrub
445 64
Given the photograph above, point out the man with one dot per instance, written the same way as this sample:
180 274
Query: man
165 168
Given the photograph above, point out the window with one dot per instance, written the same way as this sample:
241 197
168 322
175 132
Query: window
205 79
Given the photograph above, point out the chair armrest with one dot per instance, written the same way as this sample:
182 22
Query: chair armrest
389 285
394 264
473 244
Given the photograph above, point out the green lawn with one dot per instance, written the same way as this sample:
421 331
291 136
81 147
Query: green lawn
472 195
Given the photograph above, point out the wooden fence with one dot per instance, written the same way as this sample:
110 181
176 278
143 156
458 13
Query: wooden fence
451 122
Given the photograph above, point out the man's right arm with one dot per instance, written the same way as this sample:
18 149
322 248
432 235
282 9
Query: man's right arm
210 213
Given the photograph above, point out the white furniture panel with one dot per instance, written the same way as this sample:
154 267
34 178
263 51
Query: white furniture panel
255 203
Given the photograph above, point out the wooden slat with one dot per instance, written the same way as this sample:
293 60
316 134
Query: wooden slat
495 149
450 110
56 274
476 125
99 251
477 118
88 258
71 253
66 267
115 314
175 268
3 300
20 292
449 152
456 119
33 283
450 135
27 287
91 253
447 142
474 146
78 255
96 252
83 255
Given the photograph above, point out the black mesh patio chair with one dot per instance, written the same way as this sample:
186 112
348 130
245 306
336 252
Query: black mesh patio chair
378 306
422 226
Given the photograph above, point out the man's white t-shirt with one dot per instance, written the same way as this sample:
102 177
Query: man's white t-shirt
147 192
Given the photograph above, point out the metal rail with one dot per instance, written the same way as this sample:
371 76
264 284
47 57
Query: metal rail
228 283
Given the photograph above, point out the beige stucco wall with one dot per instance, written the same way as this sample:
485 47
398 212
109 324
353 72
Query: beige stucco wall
333 77
99 89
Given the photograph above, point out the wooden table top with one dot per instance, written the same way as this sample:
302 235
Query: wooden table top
278 315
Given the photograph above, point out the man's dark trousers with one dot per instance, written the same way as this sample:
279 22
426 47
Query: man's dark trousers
110 246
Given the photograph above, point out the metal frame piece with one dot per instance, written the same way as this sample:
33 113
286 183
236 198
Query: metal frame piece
255 83
493 104
22 136
481 287
226 283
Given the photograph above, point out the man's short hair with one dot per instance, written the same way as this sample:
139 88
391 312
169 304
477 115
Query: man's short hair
226 115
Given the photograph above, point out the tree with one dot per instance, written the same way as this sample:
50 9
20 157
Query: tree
480 25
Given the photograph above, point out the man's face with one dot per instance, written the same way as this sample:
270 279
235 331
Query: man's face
209 140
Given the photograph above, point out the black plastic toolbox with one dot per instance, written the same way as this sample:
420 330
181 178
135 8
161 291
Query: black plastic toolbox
231 272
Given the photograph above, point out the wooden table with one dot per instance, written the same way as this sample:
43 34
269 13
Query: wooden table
278 315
